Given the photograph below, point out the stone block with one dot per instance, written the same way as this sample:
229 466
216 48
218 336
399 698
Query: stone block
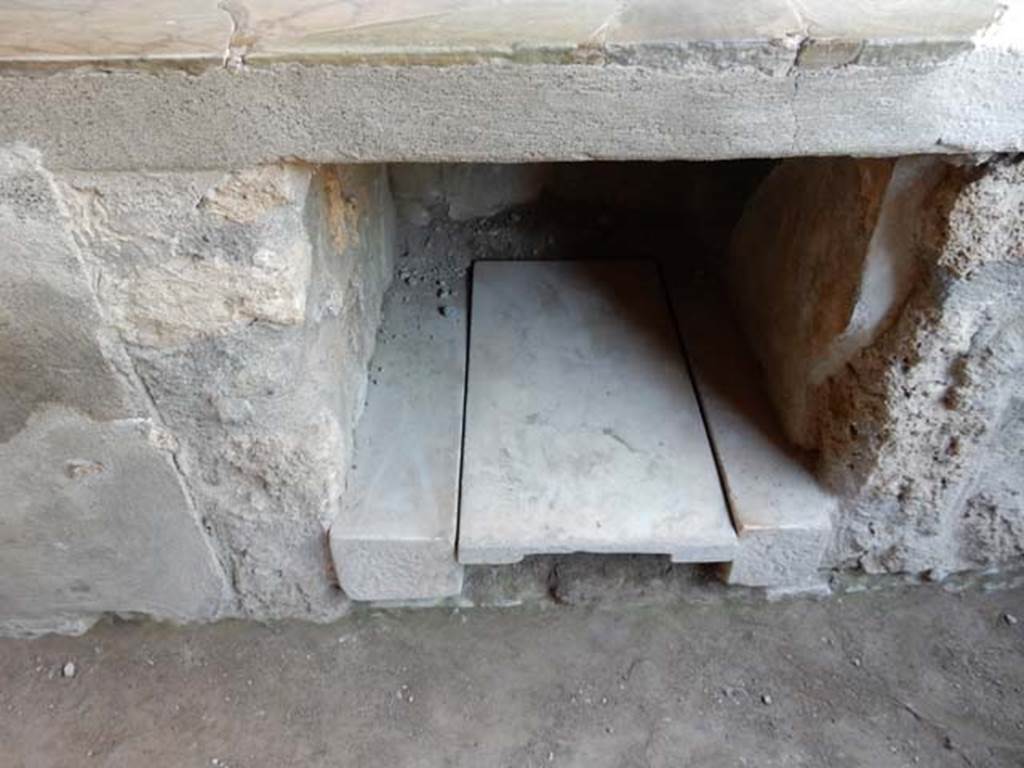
795 270
820 265
248 302
96 519
782 514
394 536
54 346
187 256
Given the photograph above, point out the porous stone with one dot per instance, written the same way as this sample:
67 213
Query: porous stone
188 256
583 433
917 417
925 424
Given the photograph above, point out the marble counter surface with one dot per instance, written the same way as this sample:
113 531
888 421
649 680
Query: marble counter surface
108 32
199 84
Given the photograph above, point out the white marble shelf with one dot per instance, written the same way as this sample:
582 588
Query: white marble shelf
582 430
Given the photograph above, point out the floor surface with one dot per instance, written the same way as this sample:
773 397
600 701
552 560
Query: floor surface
916 676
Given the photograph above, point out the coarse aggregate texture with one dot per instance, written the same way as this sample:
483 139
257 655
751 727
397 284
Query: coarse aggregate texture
886 315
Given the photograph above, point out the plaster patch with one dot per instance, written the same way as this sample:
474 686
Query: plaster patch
342 213
247 195
181 300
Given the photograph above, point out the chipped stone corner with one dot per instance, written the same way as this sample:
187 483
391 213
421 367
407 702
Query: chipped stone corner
781 559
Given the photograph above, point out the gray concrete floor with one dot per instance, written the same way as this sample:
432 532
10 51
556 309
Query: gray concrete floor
902 677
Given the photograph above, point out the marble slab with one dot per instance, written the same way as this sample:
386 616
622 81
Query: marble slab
445 31
783 516
582 429
897 20
429 29
394 537
655 21
42 31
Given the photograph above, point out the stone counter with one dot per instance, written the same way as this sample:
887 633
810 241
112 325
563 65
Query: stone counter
201 84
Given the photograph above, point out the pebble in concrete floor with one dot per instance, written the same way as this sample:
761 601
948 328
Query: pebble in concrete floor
903 677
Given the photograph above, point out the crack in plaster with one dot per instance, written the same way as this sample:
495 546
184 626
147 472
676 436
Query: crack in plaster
217 549
242 35
599 37
804 26
94 219
1005 29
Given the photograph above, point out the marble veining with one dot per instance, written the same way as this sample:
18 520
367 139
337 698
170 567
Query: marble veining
431 31
55 30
